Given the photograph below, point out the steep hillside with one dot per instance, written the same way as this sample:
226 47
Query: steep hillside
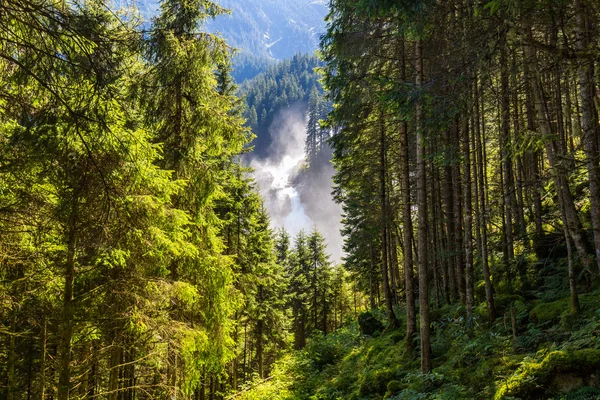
263 31
550 354
272 28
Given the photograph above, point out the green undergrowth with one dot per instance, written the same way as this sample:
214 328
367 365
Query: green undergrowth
555 355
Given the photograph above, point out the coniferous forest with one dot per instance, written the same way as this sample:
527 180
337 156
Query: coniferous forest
138 260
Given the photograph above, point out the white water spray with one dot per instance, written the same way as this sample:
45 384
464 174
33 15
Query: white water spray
288 205
275 174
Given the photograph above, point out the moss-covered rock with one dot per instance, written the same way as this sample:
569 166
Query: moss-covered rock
534 379
549 312
559 310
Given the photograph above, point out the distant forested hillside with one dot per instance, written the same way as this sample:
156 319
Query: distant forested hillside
264 31
283 85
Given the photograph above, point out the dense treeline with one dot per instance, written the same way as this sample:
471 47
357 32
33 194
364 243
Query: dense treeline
317 148
287 84
136 259
467 150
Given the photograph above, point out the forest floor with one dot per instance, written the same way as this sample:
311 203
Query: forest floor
554 355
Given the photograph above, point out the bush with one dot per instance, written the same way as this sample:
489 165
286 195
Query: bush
323 350
393 387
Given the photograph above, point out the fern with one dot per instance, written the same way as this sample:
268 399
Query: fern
585 393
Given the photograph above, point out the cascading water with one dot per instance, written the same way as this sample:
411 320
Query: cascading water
276 175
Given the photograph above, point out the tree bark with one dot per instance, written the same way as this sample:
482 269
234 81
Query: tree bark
489 290
43 339
411 320
468 218
67 323
393 321
422 225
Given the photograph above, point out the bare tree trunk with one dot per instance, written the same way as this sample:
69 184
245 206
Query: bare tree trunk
450 229
259 348
518 181
114 368
506 162
12 349
574 299
433 235
393 321
438 239
459 264
422 226
489 290
67 323
468 218
534 179
411 320
43 339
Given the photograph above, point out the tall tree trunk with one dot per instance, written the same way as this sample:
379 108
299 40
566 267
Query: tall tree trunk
459 265
114 369
438 239
574 298
259 348
518 181
385 217
67 323
489 290
468 218
411 320
506 161
422 225
12 350
434 261
450 229
44 341
534 177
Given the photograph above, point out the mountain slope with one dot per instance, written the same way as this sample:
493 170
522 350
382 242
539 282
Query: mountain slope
272 28
263 31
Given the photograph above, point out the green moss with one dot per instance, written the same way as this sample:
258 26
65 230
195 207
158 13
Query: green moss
532 375
375 382
559 309
549 312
